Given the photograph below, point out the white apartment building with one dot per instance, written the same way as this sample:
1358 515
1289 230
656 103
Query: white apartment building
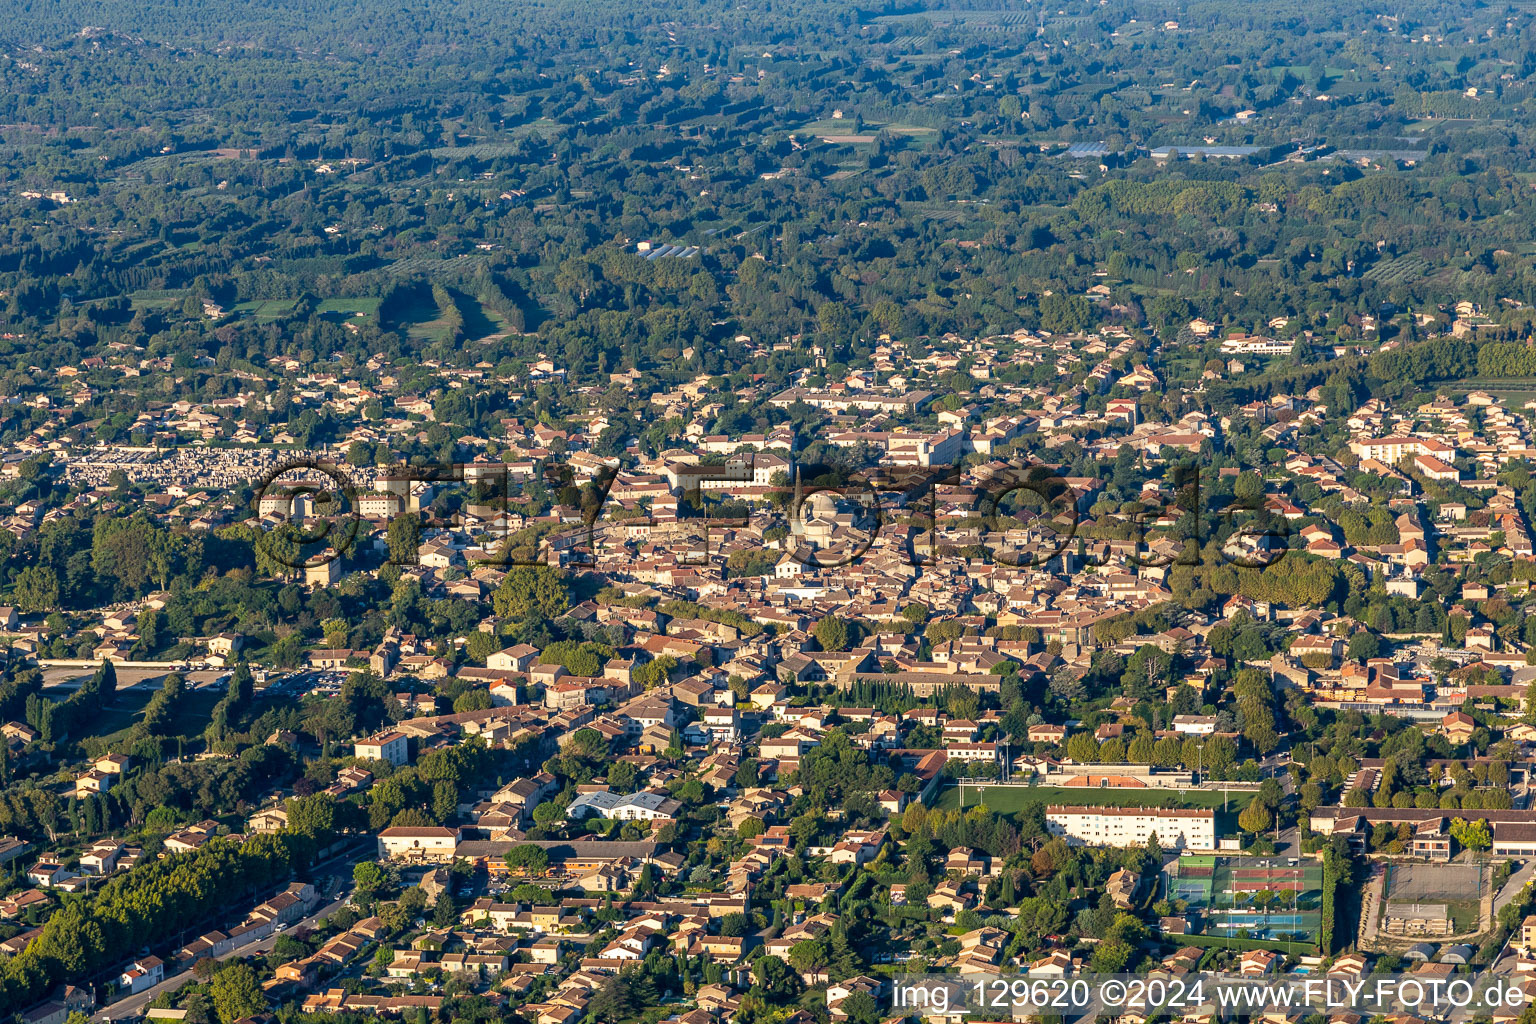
1394 449
972 751
1254 346
1176 827
386 746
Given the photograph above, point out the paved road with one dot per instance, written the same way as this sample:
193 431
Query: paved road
1289 843
1505 962
1512 888
132 1006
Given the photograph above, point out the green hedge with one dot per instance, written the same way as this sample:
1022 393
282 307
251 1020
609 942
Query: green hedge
1337 869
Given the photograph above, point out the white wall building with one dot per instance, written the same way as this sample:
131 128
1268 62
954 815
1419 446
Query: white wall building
418 843
632 807
393 747
1194 725
1176 827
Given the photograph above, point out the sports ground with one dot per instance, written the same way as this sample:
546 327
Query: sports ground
1252 898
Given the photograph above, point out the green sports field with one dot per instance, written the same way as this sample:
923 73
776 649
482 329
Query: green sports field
1013 799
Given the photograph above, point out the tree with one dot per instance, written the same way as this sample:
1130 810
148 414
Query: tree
1248 489
1364 645
615 1000
313 816
860 1008
832 633
472 700
104 683
445 800
480 645
1111 957
37 589
746 774
404 538
1066 314
655 672
529 859
834 321
1255 818
773 978
622 777
548 814
808 955
1474 835
531 592
369 879
414 900
336 632
1083 748
236 993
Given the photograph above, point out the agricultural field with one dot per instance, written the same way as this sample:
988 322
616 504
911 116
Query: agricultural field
983 20
349 309
265 309
842 131
157 298
1408 267
436 268
1514 393
423 320
336 310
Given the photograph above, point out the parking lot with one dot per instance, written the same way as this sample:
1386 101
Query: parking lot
297 684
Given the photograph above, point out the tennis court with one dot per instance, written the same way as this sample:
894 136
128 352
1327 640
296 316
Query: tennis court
1215 882
1190 879
1270 899
1241 884
1272 877
1299 927
1287 922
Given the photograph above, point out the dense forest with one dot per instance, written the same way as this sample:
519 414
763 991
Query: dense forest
344 180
